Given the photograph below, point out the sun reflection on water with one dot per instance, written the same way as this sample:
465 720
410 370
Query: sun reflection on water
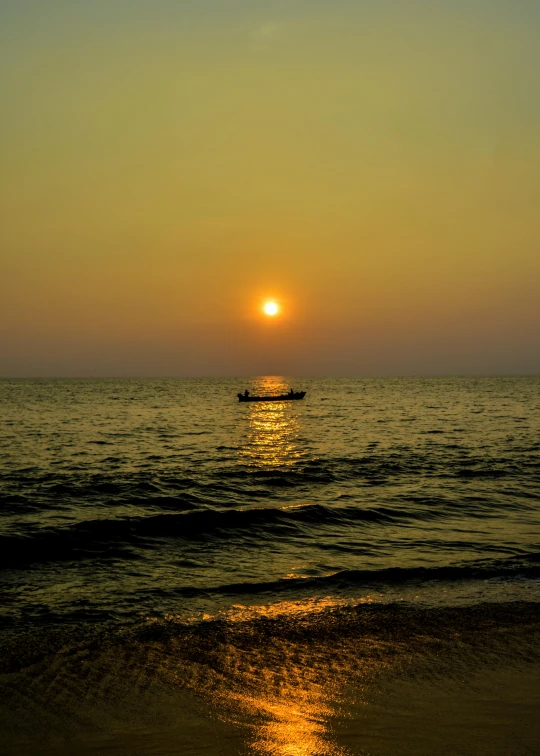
295 724
283 672
273 437
290 708
280 697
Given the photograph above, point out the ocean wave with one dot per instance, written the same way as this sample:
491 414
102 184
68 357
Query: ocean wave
524 566
131 537
92 538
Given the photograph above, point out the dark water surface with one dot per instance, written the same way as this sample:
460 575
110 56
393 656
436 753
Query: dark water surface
226 549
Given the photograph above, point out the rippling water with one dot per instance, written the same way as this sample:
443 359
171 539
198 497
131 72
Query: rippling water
122 498
127 503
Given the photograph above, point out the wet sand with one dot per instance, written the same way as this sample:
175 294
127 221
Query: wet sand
357 682
494 713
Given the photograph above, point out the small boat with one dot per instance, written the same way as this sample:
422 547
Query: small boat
278 398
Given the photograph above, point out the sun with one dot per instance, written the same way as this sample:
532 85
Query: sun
270 308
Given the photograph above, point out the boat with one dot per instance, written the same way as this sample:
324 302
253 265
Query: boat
291 396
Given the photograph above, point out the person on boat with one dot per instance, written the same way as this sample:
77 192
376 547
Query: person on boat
291 392
246 393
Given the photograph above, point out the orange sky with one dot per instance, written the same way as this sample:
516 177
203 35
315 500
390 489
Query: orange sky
166 166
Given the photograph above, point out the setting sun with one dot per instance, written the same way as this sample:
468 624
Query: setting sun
271 308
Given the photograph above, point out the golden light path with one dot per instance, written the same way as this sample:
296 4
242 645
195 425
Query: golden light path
290 711
290 706
272 437
286 705
286 690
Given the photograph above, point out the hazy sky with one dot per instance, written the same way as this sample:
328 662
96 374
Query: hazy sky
166 165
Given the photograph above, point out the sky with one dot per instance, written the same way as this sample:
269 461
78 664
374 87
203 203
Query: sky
373 166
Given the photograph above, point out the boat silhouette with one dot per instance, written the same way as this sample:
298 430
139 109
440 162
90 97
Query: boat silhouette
291 396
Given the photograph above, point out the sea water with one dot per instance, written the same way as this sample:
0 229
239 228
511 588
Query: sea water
164 524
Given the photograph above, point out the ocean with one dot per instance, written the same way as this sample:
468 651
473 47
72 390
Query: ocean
184 573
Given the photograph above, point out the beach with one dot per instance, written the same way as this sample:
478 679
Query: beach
337 681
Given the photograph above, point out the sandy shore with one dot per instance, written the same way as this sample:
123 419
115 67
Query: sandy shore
493 713
379 683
